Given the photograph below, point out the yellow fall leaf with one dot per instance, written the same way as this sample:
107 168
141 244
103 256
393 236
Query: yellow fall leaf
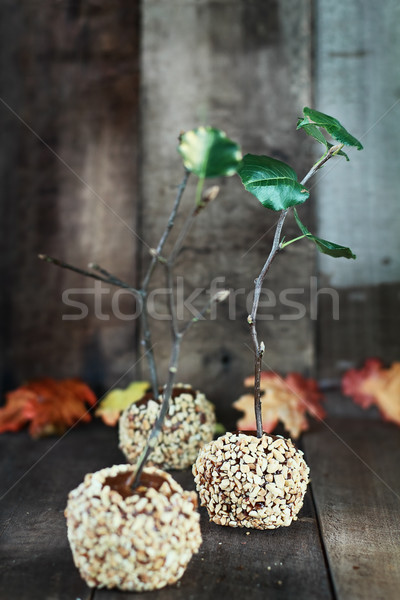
112 405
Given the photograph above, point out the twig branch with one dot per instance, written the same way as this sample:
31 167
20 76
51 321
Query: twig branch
146 332
171 301
107 278
182 235
167 231
259 348
218 297
134 479
141 295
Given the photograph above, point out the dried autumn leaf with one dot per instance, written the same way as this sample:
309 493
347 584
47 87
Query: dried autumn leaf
117 400
49 406
373 384
286 400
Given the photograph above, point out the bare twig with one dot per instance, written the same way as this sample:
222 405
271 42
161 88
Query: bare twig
182 235
259 348
141 295
218 297
106 278
134 479
146 332
167 231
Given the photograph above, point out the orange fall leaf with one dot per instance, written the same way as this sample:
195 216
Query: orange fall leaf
47 405
283 399
373 384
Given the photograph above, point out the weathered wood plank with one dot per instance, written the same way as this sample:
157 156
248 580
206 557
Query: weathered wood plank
280 563
357 74
356 487
244 67
68 185
35 478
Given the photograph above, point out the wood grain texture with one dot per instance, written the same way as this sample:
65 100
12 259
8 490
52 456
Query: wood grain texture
69 137
356 487
244 67
368 325
281 563
357 74
35 478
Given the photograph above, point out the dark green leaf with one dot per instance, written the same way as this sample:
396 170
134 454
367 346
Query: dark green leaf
312 130
323 245
273 182
207 152
330 124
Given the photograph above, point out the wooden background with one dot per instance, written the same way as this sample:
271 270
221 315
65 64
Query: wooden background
93 95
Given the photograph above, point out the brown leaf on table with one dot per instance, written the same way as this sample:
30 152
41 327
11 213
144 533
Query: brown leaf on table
373 384
283 399
49 406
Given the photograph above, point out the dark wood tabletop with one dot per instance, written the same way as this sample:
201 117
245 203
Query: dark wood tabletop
345 544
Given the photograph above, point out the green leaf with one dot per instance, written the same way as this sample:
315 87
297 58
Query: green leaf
312 130
324 246
273 182
207 152
330 124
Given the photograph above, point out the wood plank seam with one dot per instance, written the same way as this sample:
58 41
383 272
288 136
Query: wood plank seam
322 543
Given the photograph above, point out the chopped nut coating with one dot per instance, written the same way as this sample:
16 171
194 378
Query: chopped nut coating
140 542
251 484
189 424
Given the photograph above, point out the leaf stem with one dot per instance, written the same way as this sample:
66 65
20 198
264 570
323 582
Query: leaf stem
283 245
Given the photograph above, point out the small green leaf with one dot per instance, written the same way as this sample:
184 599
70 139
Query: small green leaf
312 130
324 246
207 152
330 124
273 182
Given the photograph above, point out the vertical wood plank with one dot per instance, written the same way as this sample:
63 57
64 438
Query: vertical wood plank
356 487
357 74
243 67
69 184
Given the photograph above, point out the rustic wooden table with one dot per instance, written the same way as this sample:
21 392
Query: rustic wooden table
345 545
